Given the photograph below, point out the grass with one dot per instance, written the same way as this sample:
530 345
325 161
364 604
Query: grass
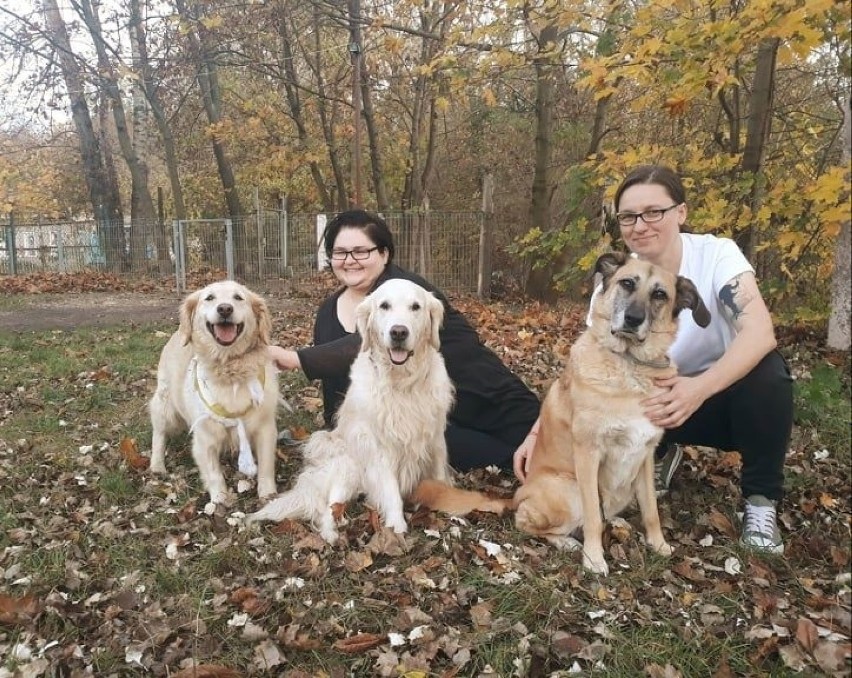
119 558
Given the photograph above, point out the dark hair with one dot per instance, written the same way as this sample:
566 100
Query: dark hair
652 174
373 226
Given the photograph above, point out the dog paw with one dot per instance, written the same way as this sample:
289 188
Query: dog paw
266 490
663 548
595 564
564 543
157 466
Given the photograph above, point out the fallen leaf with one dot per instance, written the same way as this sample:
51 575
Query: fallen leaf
15 611
130 451
807 634
355 561
360 642
208 671
722 523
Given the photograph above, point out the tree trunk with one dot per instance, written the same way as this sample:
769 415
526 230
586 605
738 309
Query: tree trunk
291 89
208 84
841 280
103 193
341 200
152 95
382 202
142 212
539 281
757 133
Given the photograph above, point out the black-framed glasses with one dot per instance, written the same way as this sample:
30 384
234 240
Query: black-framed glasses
357 254
648 216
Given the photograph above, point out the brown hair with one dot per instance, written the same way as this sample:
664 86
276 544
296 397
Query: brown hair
653 174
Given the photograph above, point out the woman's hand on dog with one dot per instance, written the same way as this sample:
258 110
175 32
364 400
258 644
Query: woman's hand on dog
682 397
523 455
284 359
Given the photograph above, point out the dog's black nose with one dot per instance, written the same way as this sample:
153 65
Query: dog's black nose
399 333
224 310
634 317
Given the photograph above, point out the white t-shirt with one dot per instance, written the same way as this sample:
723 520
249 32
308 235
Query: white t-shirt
710 263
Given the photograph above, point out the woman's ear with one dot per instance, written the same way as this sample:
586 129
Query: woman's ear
187 316
436 318
262 317
364 322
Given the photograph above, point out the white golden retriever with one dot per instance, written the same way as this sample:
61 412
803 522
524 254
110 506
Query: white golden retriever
388 442
215 379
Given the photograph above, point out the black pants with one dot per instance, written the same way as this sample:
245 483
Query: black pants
753 416
468 448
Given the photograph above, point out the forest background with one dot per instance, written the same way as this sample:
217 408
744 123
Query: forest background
417 104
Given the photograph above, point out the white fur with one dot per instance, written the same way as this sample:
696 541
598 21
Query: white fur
232 377
389 433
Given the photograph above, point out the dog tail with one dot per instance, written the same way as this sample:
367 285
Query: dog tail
439 496
292 504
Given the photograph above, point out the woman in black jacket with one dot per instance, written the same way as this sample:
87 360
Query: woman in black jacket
494 409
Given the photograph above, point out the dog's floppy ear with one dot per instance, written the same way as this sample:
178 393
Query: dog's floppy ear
609 263
364 323
187 314
688 297
436 319
262 316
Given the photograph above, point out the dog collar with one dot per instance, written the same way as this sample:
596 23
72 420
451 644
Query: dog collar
656 364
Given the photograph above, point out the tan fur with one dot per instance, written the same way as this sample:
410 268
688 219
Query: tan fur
595 446
228 370
389 433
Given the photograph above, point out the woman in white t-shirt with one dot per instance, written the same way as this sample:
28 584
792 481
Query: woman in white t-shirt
733 390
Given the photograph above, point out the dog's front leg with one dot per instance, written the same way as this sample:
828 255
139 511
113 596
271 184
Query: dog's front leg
647 499
382 489
587 461
264 444
205 452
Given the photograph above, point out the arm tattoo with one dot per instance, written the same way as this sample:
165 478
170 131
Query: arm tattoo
734 300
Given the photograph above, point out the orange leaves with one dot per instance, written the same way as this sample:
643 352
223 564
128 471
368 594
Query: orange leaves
358 643
17 611
130 452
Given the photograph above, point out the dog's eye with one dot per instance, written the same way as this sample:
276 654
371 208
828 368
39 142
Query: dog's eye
209 297
238 297
659 295
384 306
628 284
415 306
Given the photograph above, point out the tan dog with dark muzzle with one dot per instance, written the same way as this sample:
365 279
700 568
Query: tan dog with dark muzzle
595 447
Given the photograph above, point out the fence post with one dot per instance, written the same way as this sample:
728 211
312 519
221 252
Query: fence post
180 261
486 237
260 229
60 250
12 245
229 248
283 224
321 258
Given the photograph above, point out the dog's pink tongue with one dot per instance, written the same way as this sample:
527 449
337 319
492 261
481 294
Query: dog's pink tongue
398 356
226 333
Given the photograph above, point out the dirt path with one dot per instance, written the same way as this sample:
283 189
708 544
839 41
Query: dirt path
41 312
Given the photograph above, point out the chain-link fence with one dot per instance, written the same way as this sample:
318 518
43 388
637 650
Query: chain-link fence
445 247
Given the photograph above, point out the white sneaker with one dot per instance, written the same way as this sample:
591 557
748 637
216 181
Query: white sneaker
760 526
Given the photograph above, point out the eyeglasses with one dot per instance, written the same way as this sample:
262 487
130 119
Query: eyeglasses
648 216
358 254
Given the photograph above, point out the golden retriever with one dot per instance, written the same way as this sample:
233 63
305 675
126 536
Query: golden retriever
388 441
215 379
595 446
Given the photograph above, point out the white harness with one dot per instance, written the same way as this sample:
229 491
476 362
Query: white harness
201 391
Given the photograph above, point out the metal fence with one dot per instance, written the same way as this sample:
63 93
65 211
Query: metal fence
446 247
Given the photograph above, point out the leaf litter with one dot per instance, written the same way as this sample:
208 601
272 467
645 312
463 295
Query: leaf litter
106 570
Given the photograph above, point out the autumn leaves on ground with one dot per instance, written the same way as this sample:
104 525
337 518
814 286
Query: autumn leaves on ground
108 571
